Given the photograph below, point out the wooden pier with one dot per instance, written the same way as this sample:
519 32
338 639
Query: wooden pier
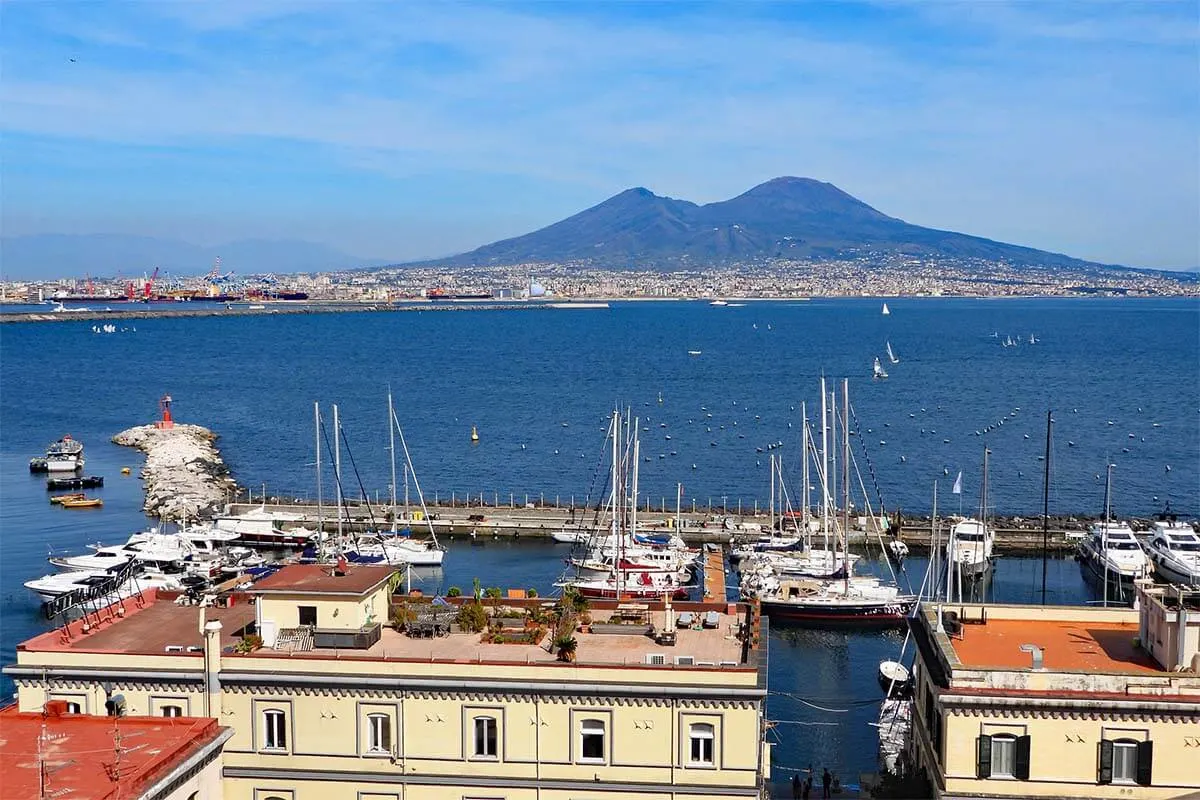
714 575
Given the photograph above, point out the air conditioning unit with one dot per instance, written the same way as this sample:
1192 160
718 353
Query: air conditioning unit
656 658
685 661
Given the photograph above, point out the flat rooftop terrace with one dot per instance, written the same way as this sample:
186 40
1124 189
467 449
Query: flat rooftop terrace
1070 646
160 627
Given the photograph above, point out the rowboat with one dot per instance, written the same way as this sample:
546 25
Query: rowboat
82 502
62 498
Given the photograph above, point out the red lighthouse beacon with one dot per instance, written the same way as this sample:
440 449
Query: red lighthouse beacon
165 404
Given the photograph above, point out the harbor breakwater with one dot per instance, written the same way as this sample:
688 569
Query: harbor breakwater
184 475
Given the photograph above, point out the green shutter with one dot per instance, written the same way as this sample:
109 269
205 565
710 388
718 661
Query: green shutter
983 757
1145 756
1106 759
1021 761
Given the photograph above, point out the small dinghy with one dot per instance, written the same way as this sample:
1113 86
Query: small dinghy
894 678
62 498
82 502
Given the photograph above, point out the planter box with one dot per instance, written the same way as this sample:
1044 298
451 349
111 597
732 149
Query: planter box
619 630
360 639
512 623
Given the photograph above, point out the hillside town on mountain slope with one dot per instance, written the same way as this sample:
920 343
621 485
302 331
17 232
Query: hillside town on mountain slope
869 274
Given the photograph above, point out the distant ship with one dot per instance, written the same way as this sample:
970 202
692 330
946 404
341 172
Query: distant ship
442 294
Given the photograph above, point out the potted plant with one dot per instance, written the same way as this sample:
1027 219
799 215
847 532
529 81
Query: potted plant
565 644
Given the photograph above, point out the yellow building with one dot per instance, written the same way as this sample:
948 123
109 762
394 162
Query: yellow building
1063 702
336 703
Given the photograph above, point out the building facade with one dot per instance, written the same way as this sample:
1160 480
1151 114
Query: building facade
1063 702
338 704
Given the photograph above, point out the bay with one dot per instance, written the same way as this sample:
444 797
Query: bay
538 386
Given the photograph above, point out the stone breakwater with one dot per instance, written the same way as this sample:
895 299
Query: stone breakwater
184 475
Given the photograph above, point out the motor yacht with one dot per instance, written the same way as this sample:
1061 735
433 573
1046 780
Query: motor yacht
1174 550
1113 557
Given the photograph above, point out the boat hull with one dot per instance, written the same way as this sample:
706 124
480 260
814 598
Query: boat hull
89 482
851 614
274 540
593 593
1173 573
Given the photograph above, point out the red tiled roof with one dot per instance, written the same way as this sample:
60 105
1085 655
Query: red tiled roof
96 758
322 579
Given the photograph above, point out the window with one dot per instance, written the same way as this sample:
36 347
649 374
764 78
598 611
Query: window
74 708
591 741
1002 755
308 616
379 733
485 737
172 711
702 743
274 732
1126 761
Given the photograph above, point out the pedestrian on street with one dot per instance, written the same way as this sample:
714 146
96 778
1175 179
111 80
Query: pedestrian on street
796 786
826 779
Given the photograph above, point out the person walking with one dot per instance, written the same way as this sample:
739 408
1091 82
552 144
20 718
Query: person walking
807 786
796 786
826 779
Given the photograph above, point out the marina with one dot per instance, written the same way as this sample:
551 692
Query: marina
541 469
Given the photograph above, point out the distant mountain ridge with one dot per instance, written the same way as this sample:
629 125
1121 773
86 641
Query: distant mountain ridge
63 255
786 217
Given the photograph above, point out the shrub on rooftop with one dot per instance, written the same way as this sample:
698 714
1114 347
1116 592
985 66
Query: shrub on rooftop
472 617
454 591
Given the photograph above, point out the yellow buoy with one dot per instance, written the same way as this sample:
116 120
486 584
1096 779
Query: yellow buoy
474 434
124 470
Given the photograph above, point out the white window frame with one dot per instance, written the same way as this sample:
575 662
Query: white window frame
379 727
166 710
702 733
1128 746
589 727
487 721
1004 755
280 731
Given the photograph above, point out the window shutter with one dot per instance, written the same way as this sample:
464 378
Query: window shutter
1106 759
1145 755
983 757
1021 761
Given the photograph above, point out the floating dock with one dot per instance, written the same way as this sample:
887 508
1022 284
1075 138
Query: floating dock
714 575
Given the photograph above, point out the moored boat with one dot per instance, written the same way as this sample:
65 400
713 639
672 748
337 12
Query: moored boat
1174 551
87 482
82 502
62 498
65 455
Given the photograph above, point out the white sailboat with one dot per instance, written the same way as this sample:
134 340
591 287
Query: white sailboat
891 354
885 311
877 371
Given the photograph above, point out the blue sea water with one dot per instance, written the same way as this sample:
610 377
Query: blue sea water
547 380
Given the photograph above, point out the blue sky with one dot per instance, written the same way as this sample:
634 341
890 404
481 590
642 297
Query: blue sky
405 130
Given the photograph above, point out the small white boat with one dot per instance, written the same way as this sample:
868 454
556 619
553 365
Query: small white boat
695 352
971 544
718 303
897 549
893 677
892 354
395 550
878 372
885 311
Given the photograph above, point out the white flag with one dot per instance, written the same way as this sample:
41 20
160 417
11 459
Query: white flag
958 483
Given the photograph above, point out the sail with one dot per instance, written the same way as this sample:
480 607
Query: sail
891 354
877 369
885 310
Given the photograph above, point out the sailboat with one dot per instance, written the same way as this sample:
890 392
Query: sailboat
885 311
892 354
878 372
848 599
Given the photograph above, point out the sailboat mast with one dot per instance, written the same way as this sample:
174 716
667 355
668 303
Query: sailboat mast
772 515
637 449
824 465
615 531
934 542
846 480
392 452
317 429
337 468
1107 518
1046 507
678 513
804 462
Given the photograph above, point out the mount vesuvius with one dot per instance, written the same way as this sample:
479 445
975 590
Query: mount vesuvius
793 218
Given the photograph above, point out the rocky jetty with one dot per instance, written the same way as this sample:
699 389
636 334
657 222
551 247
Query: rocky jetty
184 475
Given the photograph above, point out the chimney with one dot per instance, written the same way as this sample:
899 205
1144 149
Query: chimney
212 668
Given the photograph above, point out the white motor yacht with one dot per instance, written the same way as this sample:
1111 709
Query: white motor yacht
1174 550
971 543
49 587
1113 556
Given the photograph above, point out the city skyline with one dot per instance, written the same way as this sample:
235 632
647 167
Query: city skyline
404 132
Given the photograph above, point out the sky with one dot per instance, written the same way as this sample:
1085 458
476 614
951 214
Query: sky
407 130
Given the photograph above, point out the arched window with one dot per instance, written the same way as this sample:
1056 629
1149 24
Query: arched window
591 741
702 740
486 739
274 730
379 733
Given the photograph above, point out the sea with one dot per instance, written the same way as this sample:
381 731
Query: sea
715 390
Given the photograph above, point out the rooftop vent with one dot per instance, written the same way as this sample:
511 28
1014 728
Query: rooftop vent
656 658
1037 654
